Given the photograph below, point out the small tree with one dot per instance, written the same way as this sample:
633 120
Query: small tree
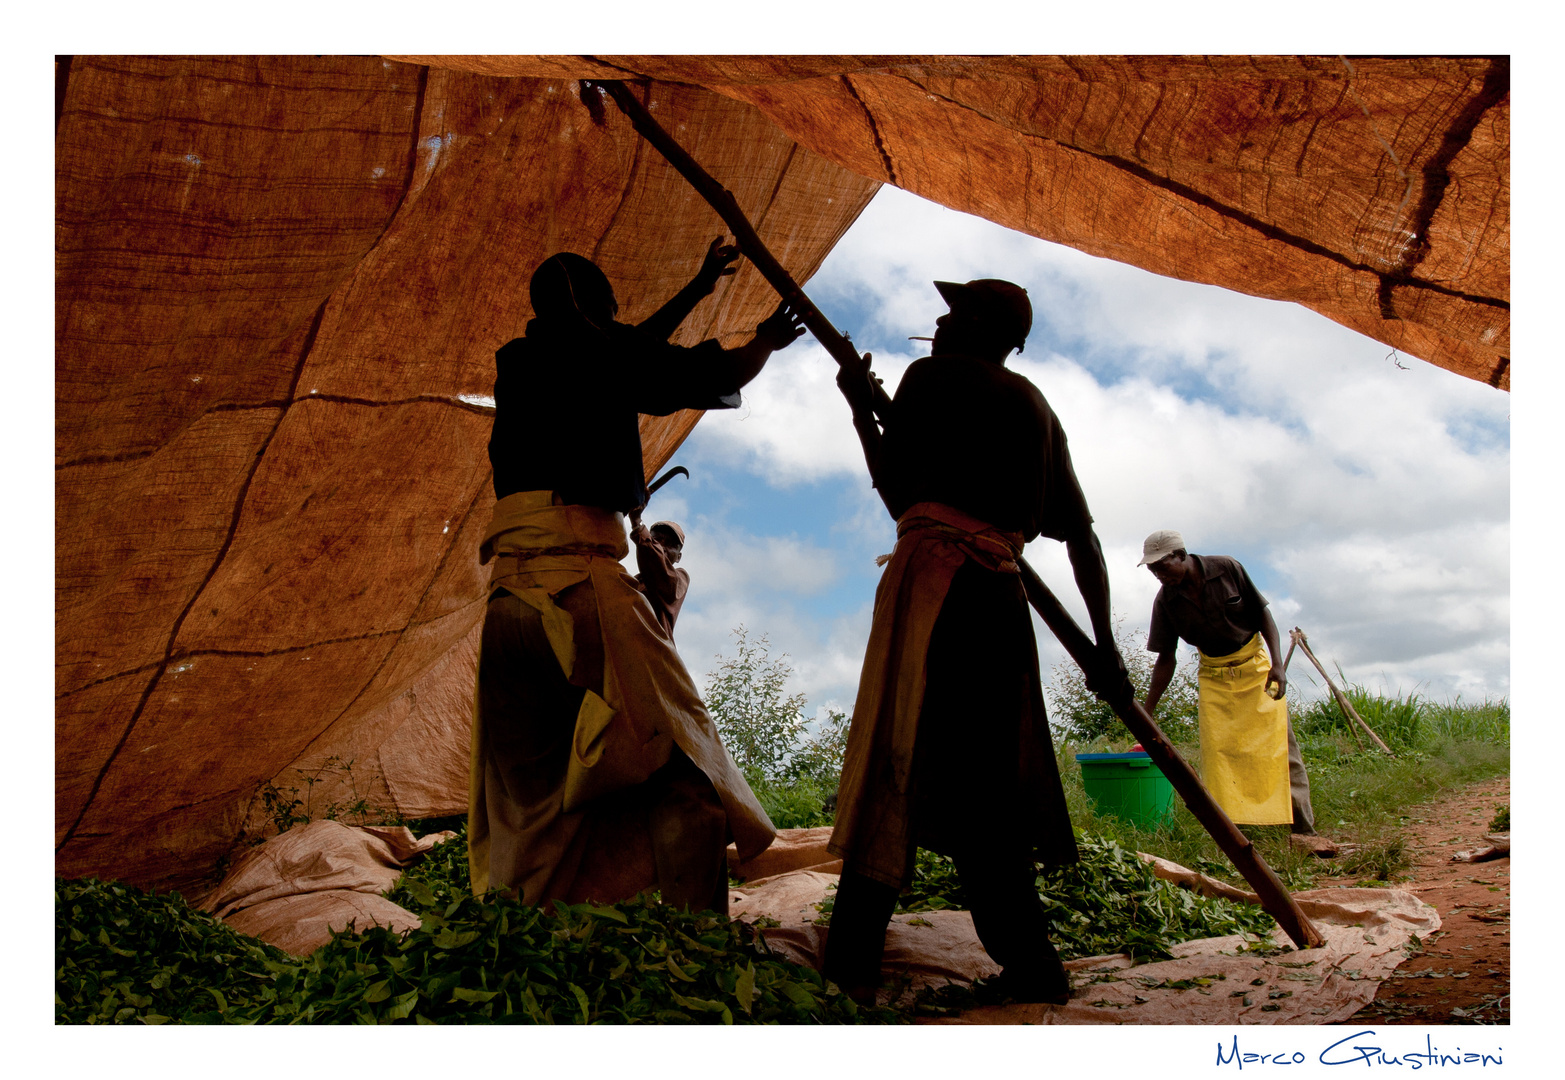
792 770
818 759
1078 714
759 724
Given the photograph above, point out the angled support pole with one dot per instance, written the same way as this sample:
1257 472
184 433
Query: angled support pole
1342 699
1274 896
722 200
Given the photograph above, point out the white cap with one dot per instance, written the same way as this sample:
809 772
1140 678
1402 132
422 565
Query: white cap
1160 545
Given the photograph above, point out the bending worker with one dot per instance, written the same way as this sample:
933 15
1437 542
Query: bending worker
665 585
596 770
949 747
1250 760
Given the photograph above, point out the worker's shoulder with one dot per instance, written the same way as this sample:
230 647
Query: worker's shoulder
968 373
1221 565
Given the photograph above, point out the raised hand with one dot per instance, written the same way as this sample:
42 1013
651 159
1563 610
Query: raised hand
781 328
719 263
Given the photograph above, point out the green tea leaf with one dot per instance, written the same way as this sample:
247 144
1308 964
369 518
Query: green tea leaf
463 994
744 986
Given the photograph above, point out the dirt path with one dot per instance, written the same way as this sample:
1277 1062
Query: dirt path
1463 975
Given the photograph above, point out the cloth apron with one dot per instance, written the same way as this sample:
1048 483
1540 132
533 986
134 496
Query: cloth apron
874 832
648 703
1244 738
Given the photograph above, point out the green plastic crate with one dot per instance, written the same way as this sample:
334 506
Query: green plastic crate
1127 786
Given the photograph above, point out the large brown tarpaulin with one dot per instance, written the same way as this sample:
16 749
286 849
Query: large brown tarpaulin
281 280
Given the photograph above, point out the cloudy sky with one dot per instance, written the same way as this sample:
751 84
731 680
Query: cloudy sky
1368 493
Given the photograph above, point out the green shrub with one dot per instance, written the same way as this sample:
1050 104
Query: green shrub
759 725
1077 714
792 769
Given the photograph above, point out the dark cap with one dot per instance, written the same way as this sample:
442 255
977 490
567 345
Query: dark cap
1001 303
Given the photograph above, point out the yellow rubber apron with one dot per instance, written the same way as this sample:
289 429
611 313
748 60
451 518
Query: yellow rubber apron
1244 738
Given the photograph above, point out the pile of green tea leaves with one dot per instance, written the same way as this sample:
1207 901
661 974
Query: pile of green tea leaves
1108 902
124 956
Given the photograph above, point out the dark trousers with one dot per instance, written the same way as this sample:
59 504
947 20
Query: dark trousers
967 799
1002 896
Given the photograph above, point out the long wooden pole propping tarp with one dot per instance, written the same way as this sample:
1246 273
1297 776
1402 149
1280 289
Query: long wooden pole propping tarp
727 207
1274 896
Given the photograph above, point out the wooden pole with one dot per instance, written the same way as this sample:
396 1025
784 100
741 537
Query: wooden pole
723 201
1342 699
1274 896
1293 642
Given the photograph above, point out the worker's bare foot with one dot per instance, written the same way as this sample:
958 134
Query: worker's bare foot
1315 844
1007 988
861 993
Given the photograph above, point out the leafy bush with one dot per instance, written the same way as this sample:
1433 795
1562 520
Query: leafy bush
791 769
760 727
1078 714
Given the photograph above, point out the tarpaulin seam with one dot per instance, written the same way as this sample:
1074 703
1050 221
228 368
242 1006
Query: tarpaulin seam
1436 171
107 459
256 654
874 129
217 562
1271 232
416 399
430 584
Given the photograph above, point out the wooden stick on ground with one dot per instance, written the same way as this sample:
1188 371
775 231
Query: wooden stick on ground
1342 699
1274 896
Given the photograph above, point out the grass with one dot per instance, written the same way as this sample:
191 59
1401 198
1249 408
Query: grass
1360 797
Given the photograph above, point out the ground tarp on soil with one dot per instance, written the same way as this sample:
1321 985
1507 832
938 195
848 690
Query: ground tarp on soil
1210 981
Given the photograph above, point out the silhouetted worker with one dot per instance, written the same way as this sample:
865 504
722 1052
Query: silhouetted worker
1250 760
597 772
657 550
949 747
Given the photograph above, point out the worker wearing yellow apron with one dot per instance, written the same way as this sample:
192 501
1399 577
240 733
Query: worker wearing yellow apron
1250 761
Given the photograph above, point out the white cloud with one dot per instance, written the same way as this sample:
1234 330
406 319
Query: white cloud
1375 498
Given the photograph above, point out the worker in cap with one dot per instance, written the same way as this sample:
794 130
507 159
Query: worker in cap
657 550
949 747
597 771
1250 760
